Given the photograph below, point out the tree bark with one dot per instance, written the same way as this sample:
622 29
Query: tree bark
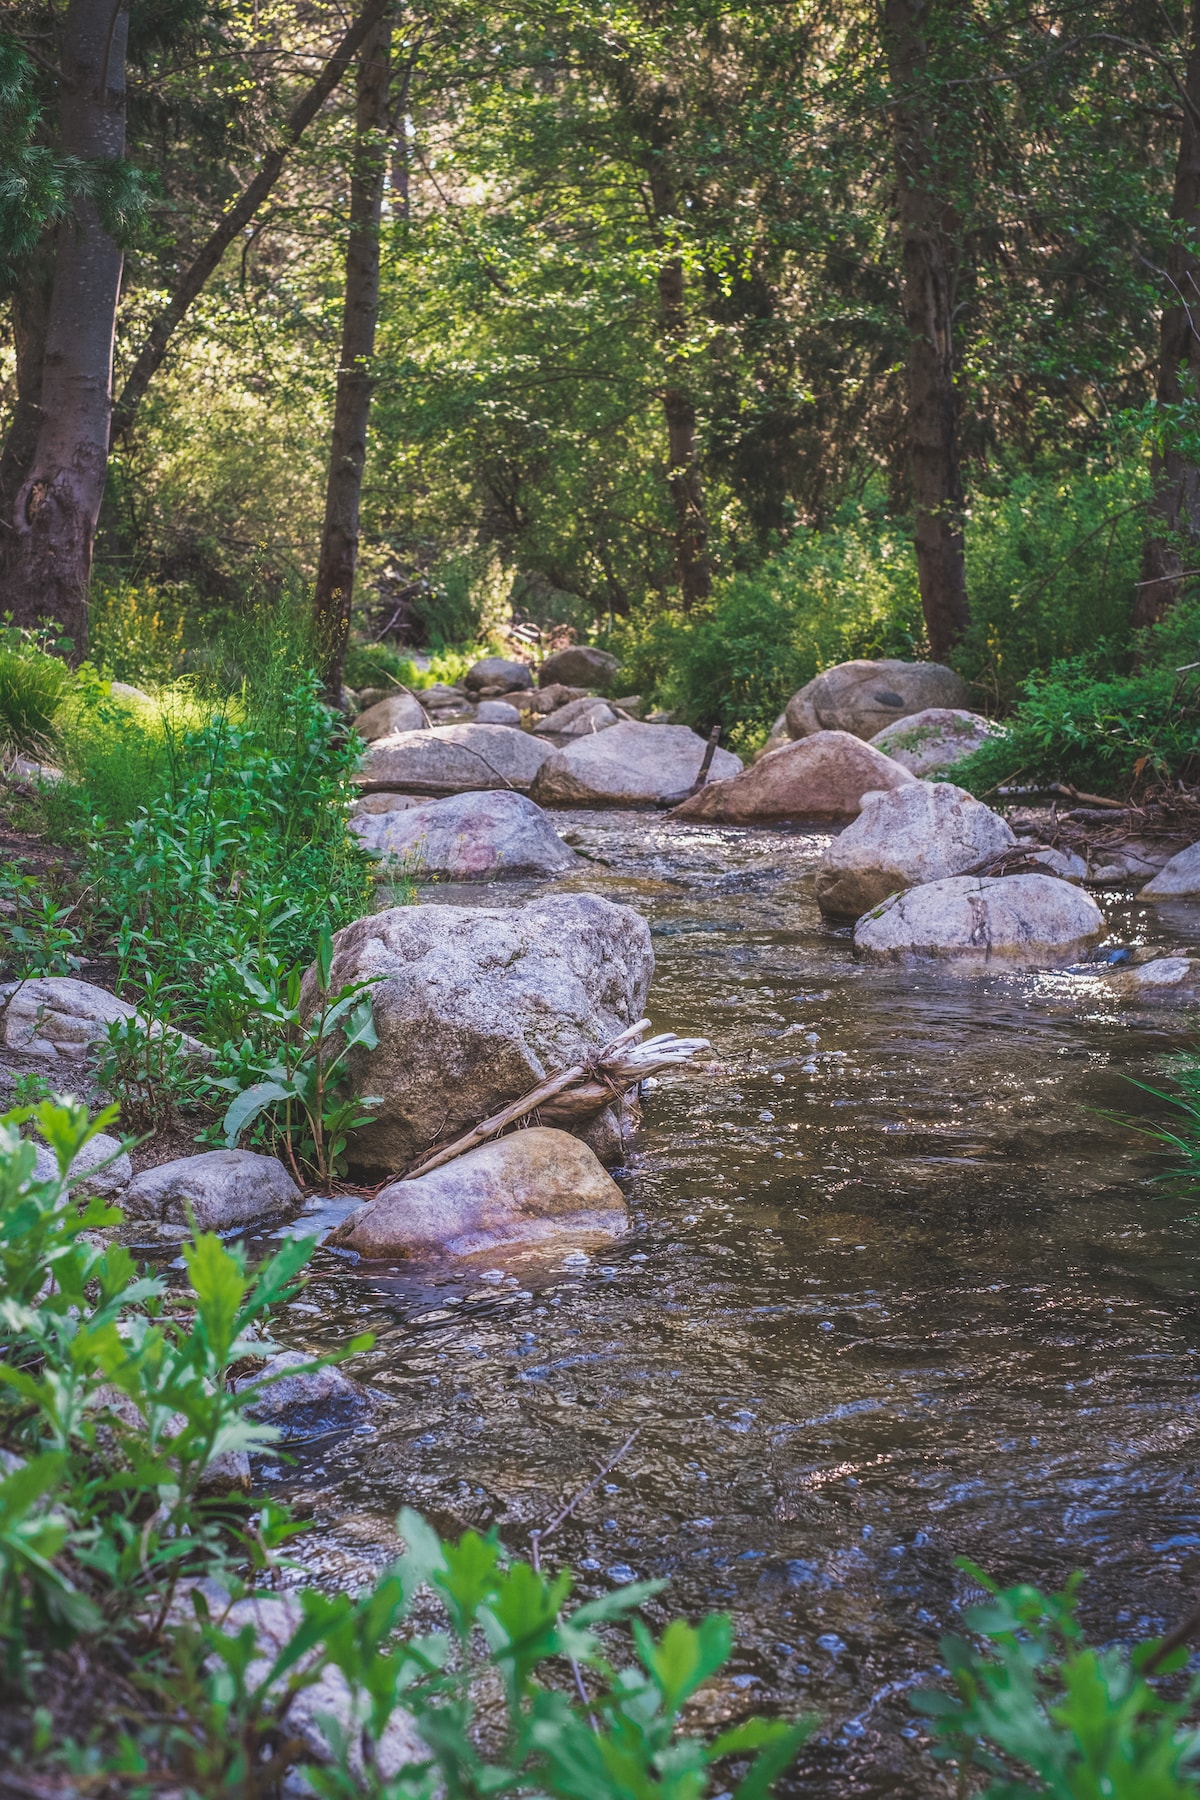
150 357
47 555
352 402
30 312
1173 521
684 481
928 274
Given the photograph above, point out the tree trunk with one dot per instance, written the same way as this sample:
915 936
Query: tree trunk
1173 522
684 482
47 556
352 403
30 309
928 273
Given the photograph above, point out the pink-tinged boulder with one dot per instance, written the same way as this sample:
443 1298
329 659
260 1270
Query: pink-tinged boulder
467 837
865 695
820 777
629 764
935 739
917 833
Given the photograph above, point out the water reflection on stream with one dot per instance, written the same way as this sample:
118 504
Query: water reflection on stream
894 1293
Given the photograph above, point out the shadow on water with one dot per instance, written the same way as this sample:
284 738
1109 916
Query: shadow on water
895 1292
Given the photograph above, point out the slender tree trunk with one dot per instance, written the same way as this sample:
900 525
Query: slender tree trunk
352 403
928 276
47 556
684 482
207 259
1173 523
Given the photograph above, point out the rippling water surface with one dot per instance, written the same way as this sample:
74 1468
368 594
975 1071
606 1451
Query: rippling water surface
895 1292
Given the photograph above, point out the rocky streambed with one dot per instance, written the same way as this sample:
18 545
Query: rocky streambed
895 1291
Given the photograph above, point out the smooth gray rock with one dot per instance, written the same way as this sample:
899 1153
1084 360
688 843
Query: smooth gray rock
107 1182
1032 921
627 765
498 671
467 837
299 1405
1178 879
478 1004
936 738
1063 863
527 1188
398 712
579 718
580 665
455 759
223 1189
864 696
917 833
58 1015
496 712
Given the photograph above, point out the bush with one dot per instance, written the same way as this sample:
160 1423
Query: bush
33 685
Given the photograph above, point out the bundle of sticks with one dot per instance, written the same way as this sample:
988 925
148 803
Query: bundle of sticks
580 1091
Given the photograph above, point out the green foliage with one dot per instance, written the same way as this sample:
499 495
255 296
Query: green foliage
33 684
377 665
1043 1712
39 937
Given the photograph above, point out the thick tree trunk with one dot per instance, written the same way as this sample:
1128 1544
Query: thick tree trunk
352 403
928 274
47 556
1173 523
30 315
684 482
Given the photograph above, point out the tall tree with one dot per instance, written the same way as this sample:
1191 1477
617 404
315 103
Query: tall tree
360 314
1173 525
928 278
46 553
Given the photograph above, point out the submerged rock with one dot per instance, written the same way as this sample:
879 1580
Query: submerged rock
1032 921
467 837
222 1188
398 712
1177 879
580 665
821 777
936 738
455 759
478 1004
629 764
498 672
527 1188
864 696
300 1404
916 833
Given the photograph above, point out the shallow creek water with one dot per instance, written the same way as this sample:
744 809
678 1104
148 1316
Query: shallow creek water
894 1292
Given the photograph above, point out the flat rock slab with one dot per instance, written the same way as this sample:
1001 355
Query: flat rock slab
863 696
479 1004
528 1188
629 764
1030 921
453 759
1178 879
821 777
916 833
222 1188
467 837
578 718
927 742
398 712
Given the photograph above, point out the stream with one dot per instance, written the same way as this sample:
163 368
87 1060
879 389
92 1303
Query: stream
895 1292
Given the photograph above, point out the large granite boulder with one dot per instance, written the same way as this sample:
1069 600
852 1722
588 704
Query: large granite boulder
528 1188
863 696
821 777
467 837
498 672
579 718
1178 879
478 1004
1006 921
580 665
222 1189
916 833
935 739
627 765
453 759
398 712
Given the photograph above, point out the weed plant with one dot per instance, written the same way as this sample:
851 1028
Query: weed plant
33 684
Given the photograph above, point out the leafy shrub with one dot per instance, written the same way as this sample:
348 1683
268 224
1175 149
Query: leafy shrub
136 631
378 665
33 684
39 936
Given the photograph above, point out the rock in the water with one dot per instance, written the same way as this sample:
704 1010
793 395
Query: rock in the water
399 712
935 739
548 699
1063 863
526 1188
1032 921
299 1405
821 777
627 765
580 665
917 833
498 672
105 1182
496 712
863 696
468 837
479 1004
579 718
223 1189
454 759
1178 879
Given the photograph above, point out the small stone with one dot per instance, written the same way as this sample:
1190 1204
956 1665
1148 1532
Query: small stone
299 1405
223 1189
109 1181
496 712
579 718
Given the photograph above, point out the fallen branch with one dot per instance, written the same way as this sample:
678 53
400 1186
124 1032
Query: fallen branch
619 1066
